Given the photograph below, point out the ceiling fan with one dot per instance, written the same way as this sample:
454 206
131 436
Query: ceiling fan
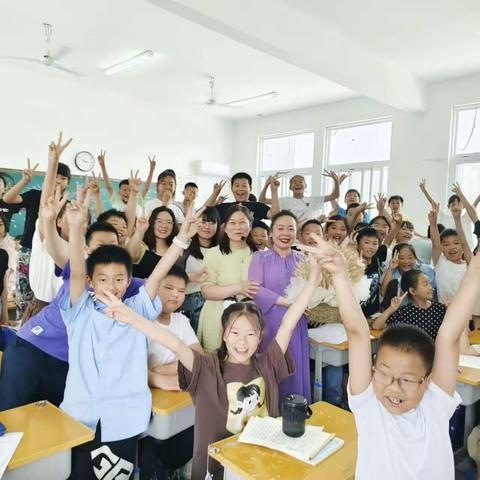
212 101
47 59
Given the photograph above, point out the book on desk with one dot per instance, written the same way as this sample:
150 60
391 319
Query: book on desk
314 446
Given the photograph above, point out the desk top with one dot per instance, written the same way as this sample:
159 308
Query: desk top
259 463
474 336
46 430
344 345
165 402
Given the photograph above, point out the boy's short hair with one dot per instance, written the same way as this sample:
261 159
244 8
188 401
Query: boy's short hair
106 255
448 232
240 176
64 171
191 185
99 227
353 190
367 232
105 216
352 205
178 272
260 224
167 173
453 199
395 197
123 182
409 339
313 221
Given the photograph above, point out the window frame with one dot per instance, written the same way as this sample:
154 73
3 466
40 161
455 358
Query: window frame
284 190
362 167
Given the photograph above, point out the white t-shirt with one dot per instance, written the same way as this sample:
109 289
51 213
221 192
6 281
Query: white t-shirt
448 276
117 203
180 326
155 202
43 281
194 265
305 208
412 446
447 220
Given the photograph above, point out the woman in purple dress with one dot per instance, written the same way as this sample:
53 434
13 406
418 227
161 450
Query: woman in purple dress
273 269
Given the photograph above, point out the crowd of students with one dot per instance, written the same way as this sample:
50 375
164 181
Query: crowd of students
170 294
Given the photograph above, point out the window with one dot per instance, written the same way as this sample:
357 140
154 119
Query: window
287 155
465 153
363 149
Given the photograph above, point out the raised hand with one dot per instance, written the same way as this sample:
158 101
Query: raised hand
28 172
274 183
330 174
76 215
101 158
190 226
456 212
134 182
55 150
433 214
142 224
94 184
116 309
457 190
397 218
343 177
152 163
423 185
396 301
329 258
221 199
249 288
51 208
394 261
381 201
217 187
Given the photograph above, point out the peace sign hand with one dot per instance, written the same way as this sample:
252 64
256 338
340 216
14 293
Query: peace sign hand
394 262
55 150
152 163
396 302
134 182
28 172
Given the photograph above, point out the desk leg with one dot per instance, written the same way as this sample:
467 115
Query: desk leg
318 385
470 421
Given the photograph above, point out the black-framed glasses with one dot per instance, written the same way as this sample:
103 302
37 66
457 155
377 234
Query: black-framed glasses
405 384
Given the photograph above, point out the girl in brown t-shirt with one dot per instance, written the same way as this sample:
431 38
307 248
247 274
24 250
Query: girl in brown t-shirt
234 383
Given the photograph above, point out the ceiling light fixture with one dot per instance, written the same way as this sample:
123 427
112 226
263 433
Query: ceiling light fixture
257 98
140 58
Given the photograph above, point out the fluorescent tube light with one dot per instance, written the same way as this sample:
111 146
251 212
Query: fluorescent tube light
140 58
257 98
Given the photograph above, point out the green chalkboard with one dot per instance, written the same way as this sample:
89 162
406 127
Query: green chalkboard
18 219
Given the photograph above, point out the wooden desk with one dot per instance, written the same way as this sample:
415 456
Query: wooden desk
332 354
173 412
48 436
259 463
474 336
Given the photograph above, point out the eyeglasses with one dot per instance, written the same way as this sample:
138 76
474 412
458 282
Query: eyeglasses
163 222
209 223
405 384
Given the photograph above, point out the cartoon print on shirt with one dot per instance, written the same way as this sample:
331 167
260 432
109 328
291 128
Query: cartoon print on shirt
245 401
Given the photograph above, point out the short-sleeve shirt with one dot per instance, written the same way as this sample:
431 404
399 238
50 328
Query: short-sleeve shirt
448 276
230 397
107 377
46 329
259 210
180 326
305 208
427 319
447 220
151 205
31 203
411 446
373 272
117 203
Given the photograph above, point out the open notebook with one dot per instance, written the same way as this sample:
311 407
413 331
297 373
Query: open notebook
312 447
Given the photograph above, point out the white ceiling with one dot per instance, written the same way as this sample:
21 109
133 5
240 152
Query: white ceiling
429 39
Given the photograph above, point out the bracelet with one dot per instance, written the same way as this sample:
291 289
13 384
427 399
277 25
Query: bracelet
181 243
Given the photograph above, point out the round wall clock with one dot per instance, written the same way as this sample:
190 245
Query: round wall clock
84 161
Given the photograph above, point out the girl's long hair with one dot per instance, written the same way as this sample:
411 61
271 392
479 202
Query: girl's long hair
209 215
230 315
149 237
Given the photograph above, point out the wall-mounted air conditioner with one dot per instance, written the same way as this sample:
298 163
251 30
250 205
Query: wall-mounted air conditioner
213 169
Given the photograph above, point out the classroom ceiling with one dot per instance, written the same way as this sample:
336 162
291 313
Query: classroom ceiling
310 51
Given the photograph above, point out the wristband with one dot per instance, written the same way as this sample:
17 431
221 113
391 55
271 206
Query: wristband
181 243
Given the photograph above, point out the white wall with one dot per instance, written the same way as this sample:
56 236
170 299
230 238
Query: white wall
420 142
33 108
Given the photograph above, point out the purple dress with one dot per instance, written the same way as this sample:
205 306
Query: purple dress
273 273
